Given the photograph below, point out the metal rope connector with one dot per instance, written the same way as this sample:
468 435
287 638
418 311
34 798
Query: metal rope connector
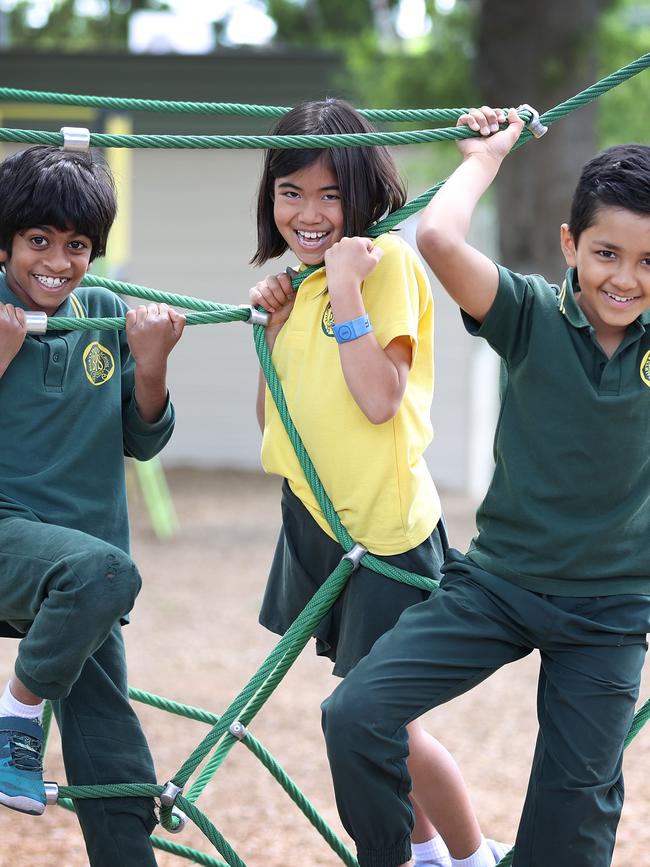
179 821
257 317
355 554
36 321
534 124
170 793
238 730
51 792
75 138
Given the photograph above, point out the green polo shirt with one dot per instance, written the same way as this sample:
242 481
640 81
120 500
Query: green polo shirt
68 418
568 508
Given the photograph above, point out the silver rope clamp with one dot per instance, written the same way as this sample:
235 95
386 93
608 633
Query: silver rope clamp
256 317
179 821
170 793
75 138
51 792
534 124
355 554
238 730
36 321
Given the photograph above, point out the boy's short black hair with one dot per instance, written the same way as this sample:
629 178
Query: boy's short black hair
46 186
367 176
618 177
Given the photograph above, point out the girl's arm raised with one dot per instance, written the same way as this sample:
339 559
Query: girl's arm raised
470 277
376 377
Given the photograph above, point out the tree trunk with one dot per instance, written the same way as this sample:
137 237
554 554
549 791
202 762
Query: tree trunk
539 52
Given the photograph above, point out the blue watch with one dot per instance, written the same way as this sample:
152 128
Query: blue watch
353 328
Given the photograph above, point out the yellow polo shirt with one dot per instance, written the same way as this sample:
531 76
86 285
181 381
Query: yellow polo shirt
375 475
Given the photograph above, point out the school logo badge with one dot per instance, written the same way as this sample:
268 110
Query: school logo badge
645 369
98 363
327 321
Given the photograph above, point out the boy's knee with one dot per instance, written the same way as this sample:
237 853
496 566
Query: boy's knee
113 579
345 716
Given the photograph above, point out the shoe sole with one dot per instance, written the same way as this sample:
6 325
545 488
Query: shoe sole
22 804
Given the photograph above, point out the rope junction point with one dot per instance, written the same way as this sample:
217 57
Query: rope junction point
176 807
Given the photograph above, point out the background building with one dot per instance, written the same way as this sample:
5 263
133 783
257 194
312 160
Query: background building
187 225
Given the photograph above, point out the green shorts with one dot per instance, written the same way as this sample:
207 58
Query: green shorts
370 604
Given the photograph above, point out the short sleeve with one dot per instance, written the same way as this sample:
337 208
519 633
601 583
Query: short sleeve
508 323
397 294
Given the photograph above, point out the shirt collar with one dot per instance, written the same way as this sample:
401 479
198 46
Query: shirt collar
567 303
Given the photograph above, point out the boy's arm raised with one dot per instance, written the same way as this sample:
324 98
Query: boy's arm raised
470 277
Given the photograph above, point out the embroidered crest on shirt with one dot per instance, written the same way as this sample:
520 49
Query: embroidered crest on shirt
98 363
645 369
327 321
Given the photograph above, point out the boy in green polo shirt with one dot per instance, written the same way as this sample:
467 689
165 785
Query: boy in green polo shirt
560 562
73 404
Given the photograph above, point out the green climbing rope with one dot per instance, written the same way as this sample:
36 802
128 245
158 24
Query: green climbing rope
230 727
118 103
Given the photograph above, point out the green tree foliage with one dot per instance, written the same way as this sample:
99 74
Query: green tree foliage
327 23
436 70
623 114
383 70
66 30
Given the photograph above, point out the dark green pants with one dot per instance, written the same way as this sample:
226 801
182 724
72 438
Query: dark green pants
67 591
592 652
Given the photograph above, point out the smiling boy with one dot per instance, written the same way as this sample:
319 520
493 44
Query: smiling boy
560 561
73 404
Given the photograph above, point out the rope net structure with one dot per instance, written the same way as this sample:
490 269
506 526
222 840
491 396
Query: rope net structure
178 797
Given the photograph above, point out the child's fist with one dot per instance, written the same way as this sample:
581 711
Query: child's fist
13 329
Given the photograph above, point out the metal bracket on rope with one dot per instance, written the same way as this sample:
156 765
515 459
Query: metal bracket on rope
257 317
238 730
534 124
75 138
170 793
354 555
179 821
51 792
36 321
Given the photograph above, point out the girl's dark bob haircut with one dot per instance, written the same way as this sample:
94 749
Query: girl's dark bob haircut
46 186
367 176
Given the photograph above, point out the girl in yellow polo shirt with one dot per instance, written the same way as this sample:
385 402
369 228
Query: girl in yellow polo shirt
353 349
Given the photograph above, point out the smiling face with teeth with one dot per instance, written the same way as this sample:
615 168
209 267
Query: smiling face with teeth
45 265
308 211
612 259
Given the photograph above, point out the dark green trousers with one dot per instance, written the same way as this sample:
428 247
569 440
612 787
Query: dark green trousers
67 592
592 652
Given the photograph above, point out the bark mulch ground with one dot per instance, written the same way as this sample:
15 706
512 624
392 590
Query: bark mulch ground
194 638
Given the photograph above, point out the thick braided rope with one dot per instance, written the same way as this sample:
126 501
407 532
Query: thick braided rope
262 754
396 115
167 845
244 142
310 141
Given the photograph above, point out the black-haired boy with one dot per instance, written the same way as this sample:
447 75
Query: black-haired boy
73 404
560 562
